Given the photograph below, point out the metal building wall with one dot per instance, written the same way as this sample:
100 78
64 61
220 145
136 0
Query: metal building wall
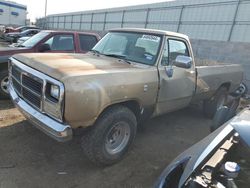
221 20
12 13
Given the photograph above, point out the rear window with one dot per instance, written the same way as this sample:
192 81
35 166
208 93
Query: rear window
87 42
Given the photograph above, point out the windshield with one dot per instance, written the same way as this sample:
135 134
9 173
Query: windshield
32 41
137 47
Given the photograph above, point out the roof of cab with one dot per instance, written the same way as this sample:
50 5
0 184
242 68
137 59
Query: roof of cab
62 31
152 31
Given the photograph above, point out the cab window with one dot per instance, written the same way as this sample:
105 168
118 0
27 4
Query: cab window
63 42
176 47
87 42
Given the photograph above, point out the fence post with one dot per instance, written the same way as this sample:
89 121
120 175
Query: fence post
72 17
147 15
105 20
180 19
80 24
123 12
64 24
234 21
91 22
58 22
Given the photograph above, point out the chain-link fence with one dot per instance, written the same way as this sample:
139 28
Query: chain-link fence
211 20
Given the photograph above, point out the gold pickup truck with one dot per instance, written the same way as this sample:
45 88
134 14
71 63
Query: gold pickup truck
130 75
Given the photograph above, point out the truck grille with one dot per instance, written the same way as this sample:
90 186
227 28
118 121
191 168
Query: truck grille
27 86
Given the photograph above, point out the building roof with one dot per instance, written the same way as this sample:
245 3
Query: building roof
13 4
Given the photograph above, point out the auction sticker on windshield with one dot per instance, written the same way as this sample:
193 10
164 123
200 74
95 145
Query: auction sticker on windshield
151 38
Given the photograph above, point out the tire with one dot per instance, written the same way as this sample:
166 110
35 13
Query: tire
4 94
101 143
220 118
218 100
224 113
243 89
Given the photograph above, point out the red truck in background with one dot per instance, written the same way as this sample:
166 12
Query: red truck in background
46 41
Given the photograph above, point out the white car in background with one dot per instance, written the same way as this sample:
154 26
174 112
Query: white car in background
19 41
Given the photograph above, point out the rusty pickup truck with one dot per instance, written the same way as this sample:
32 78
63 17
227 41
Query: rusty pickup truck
130 75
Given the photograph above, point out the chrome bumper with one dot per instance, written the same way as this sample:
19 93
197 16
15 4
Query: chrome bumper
49 126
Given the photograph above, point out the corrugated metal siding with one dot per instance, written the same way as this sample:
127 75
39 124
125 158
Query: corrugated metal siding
222 20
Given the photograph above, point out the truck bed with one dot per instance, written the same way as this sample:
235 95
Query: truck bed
211 76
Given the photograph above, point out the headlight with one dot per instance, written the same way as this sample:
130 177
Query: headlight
55 91
53 102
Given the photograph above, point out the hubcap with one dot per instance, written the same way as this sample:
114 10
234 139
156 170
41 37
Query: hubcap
242 89
4 84
117 138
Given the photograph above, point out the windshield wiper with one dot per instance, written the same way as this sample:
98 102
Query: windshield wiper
95 52
20 45
122 57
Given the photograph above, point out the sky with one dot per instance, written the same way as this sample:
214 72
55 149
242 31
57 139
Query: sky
36 8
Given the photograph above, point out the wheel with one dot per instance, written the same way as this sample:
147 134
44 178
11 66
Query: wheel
111 136
243 90
210 106
4 81
224 113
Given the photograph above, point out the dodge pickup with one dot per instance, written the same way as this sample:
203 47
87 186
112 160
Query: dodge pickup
45 41
130 75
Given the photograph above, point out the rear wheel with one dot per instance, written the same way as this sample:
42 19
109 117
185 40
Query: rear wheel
110 138
4 81
217 101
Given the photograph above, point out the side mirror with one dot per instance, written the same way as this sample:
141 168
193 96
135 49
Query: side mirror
183 62
44 47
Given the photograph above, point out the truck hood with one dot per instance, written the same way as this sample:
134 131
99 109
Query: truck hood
62 65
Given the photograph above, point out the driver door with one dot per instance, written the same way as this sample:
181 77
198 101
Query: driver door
176 90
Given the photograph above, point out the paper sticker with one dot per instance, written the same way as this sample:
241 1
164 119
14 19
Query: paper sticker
151 38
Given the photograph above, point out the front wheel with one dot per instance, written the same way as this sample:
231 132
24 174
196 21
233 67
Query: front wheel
110 138
4 81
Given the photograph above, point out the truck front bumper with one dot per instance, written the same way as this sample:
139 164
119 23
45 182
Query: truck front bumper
51 127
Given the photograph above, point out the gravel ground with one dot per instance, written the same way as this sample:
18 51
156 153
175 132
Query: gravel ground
31 159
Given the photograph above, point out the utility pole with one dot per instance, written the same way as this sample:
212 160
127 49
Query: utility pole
45 8
45 14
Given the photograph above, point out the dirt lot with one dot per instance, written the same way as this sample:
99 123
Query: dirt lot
31 159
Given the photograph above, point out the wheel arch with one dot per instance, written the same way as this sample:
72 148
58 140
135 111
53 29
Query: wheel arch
226 85
131 104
